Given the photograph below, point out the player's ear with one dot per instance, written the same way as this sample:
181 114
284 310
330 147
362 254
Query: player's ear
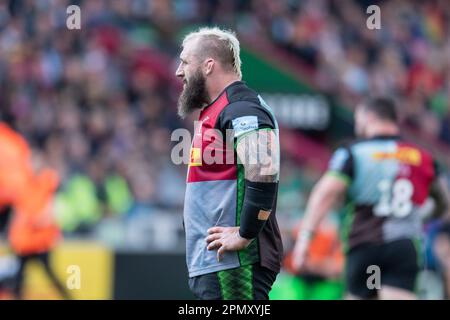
208 66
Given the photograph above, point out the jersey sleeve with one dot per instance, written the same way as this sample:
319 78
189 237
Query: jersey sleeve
243 117
341 164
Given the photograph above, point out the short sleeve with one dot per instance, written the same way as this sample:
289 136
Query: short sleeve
243 117
341 164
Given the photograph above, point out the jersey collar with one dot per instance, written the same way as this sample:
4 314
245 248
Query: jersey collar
235 83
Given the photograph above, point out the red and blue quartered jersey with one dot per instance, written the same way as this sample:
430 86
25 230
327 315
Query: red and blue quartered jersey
388 180
215 182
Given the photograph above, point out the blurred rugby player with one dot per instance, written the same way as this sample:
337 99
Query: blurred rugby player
386 182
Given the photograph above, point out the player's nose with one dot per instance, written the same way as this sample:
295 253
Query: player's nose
179 72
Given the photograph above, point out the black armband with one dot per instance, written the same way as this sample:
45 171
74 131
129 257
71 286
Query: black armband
258 202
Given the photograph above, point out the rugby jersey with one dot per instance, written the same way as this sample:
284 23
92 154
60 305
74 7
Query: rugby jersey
215 189
388 180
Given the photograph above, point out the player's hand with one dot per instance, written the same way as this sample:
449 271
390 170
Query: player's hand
225 239
300 254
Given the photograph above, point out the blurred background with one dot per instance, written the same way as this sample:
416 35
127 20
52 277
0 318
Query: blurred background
96 107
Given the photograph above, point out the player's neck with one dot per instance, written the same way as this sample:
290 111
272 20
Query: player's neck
382 129
216 86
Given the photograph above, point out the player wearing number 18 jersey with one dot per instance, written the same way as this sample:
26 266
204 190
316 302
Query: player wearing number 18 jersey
386 182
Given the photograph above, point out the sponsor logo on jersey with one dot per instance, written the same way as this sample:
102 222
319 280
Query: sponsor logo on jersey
244 124
195 159
405 155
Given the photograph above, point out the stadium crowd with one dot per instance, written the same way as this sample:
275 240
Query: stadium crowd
407 58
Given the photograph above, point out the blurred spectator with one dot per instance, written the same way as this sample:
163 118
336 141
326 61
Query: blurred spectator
33 232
